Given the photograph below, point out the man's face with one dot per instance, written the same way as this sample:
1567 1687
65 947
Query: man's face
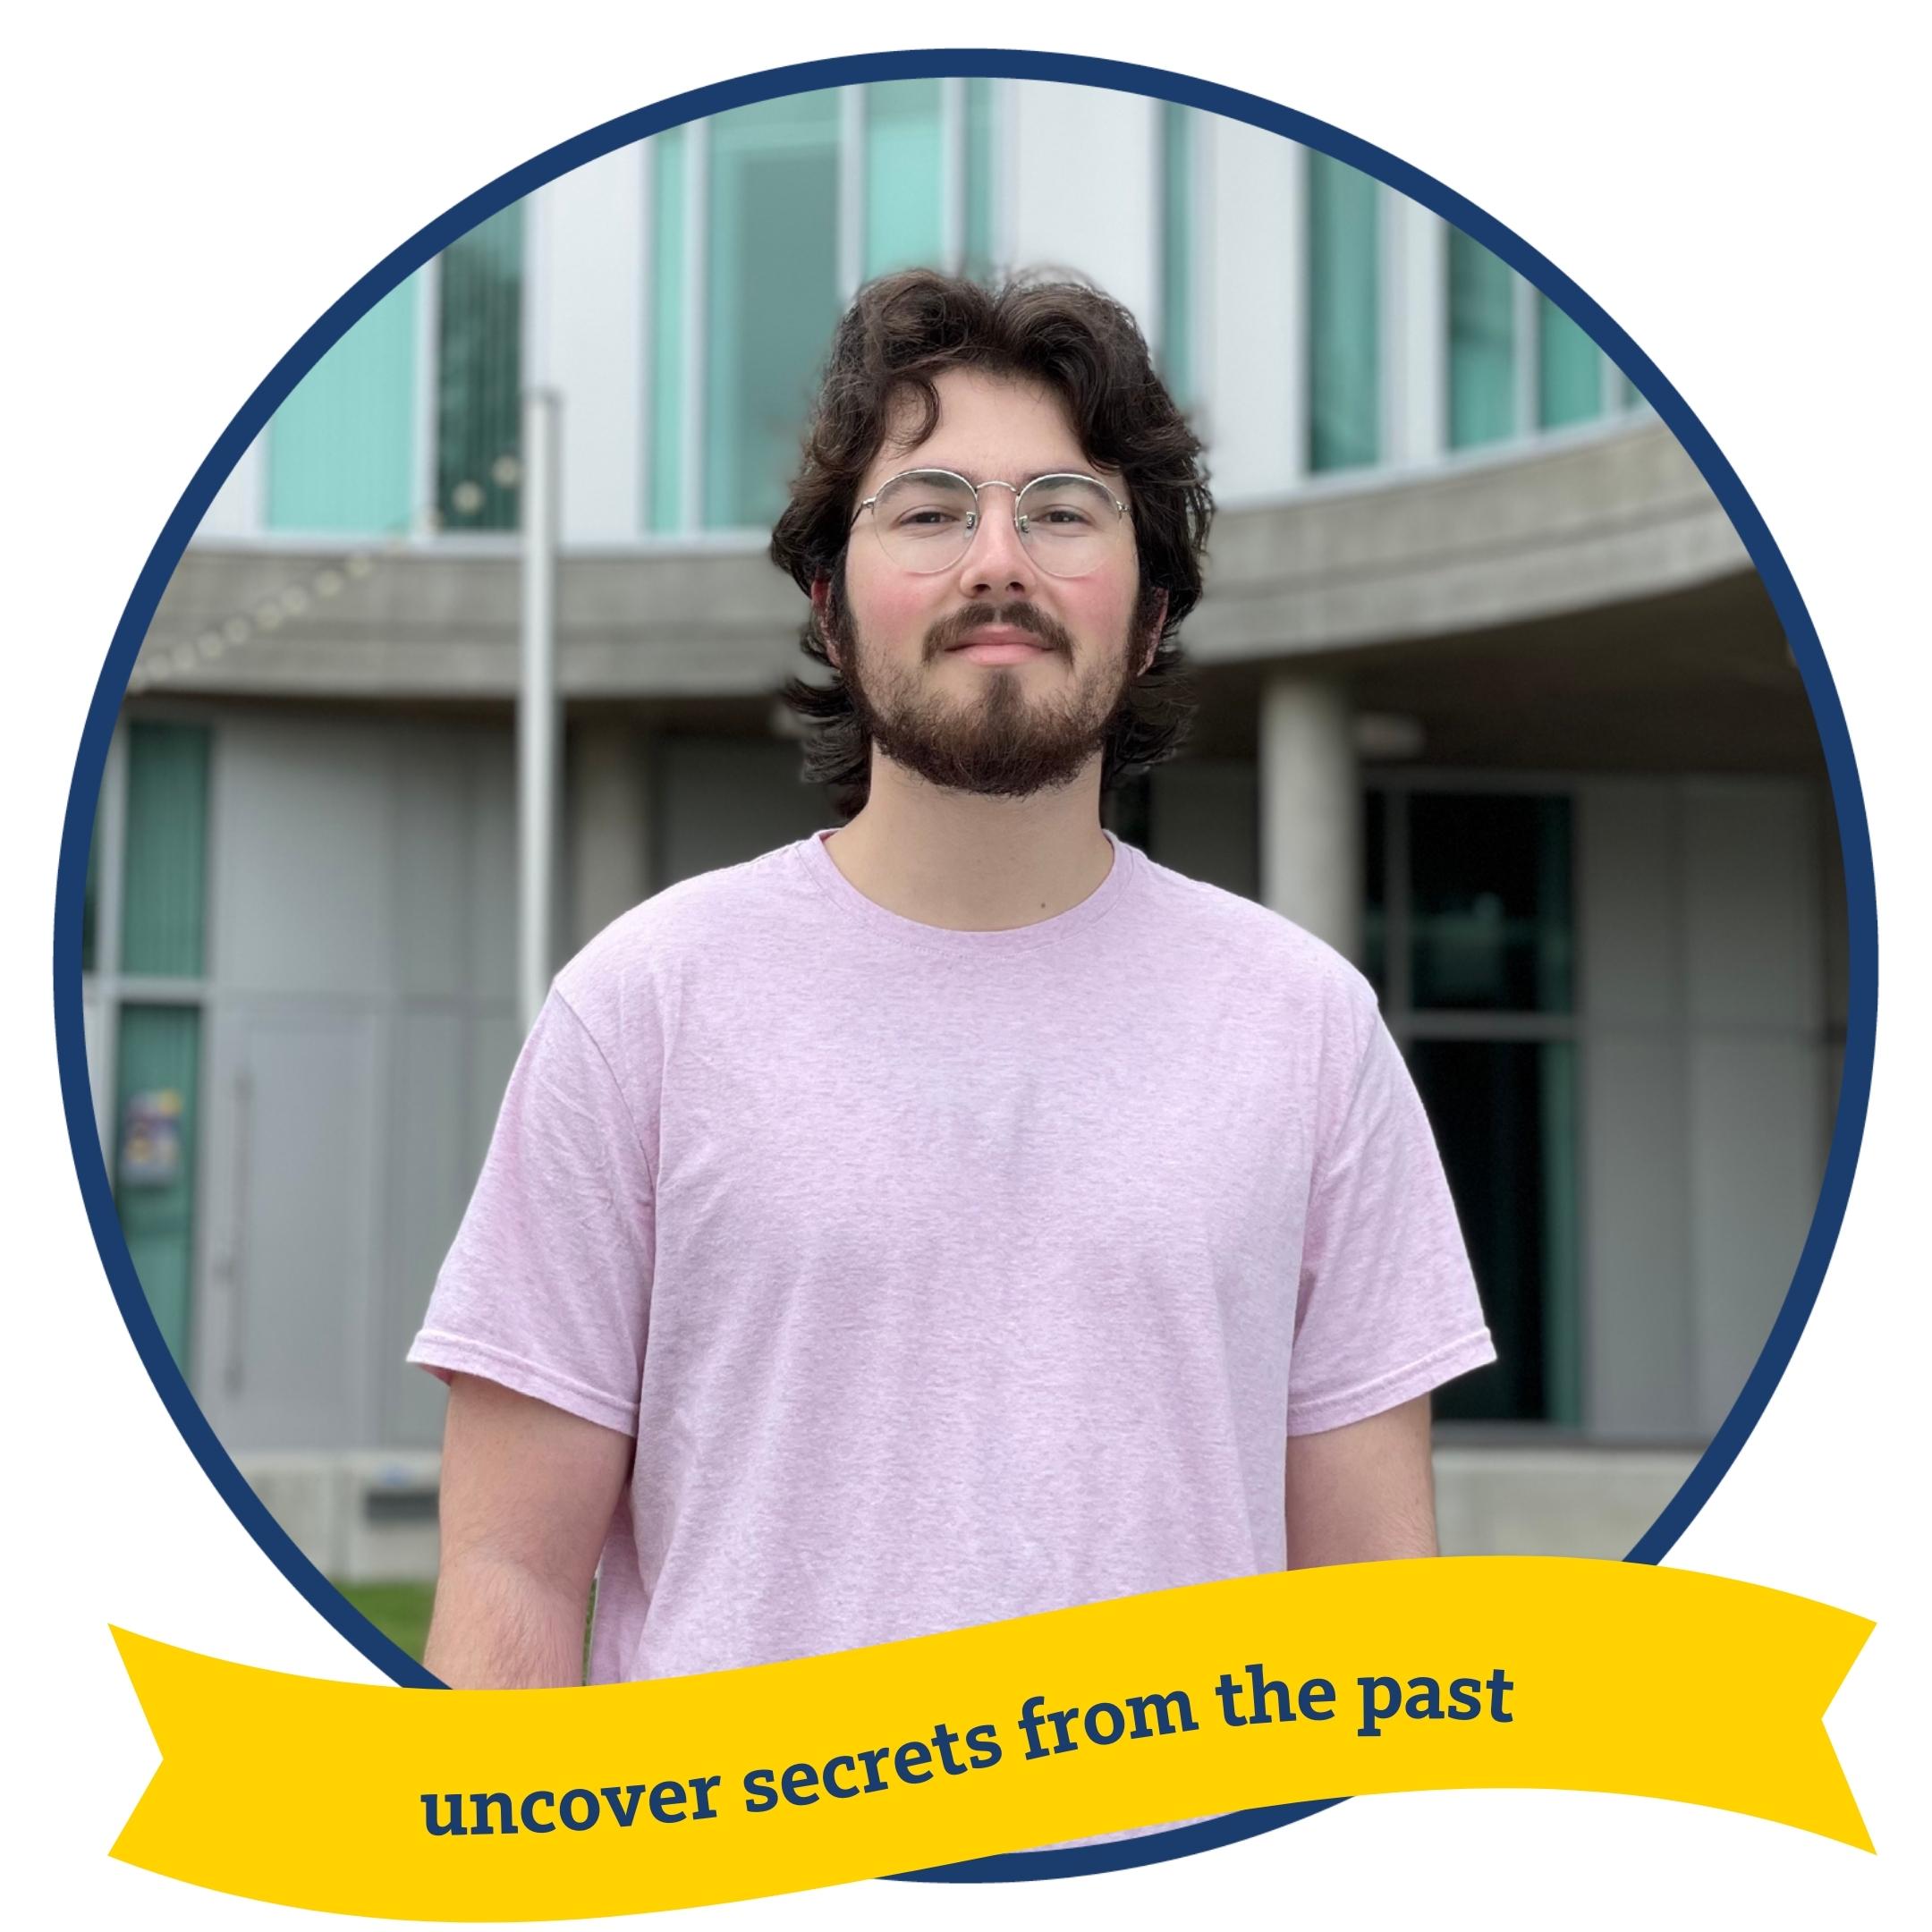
991 676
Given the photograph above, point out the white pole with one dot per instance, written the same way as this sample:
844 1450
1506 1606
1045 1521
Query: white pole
539 735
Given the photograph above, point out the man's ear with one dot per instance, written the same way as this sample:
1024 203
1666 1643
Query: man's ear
1156 623
821 599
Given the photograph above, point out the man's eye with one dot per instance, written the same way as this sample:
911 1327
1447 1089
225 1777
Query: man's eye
927 520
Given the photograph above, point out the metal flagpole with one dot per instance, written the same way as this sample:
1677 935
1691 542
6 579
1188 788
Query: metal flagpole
539 735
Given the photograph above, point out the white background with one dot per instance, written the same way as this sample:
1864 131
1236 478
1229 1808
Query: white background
189 186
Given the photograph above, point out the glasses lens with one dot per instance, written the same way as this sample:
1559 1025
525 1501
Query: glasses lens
1069 523
924 520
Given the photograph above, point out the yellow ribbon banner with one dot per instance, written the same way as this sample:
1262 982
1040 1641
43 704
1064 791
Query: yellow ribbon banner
1449 1674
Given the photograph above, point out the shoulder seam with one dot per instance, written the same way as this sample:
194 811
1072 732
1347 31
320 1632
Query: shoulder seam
624 1099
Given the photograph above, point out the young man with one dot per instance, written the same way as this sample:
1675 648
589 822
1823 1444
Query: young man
956 1216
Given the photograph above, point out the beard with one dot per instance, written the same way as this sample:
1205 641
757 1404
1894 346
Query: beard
1002 742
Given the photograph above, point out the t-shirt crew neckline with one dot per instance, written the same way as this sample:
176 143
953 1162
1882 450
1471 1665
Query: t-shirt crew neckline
896 930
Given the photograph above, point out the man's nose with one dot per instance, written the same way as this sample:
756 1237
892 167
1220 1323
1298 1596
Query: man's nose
997 563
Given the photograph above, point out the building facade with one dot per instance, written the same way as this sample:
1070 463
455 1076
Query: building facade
1491 698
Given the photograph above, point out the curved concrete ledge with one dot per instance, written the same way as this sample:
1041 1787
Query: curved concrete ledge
1571 524
1565 525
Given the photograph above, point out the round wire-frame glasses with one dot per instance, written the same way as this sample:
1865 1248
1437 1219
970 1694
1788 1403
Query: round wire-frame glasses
925 519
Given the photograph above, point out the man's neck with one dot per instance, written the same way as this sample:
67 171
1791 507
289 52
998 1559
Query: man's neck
974 864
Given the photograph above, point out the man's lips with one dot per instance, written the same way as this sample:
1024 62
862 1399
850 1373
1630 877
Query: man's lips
1000 644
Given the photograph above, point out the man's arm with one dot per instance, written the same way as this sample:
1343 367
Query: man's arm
528 1495
1364 1491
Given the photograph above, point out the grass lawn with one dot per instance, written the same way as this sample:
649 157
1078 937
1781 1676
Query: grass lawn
400 1611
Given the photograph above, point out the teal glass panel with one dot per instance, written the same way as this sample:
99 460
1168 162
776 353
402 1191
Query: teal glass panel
980 179
1177 251
157 1086
341 449
1626 393
1343 315
1569 370
480 373
670 355
1504 1116
904 176
163 886
1489 898
1482 345
772 296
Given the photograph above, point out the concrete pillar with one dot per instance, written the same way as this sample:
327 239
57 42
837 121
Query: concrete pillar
1311 807
610 827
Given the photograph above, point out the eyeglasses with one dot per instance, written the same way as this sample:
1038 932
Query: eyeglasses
924 520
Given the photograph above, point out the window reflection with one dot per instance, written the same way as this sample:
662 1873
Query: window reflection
1490 903
1469 939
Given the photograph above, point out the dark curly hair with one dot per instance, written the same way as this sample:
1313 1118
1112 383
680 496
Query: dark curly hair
901 332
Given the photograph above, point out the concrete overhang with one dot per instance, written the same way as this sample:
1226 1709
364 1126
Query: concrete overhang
1576 523
440 621
1566 524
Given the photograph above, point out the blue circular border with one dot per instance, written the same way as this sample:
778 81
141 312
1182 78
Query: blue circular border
1855 838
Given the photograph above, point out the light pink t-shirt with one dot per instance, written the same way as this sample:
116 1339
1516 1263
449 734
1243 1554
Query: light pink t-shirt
948 1276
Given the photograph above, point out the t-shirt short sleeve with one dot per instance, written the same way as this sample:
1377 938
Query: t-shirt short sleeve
1387 1308
546 1289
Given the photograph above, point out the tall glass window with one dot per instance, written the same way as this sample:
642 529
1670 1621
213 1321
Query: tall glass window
1482 345
1504 1116
165 865
1569 370
341 448
904 174
770 244
158 1042
1177 249
771 295
979 178
1470 946
479 359
670 355
1344 290
343 453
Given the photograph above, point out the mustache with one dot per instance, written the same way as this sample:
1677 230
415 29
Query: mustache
950 632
